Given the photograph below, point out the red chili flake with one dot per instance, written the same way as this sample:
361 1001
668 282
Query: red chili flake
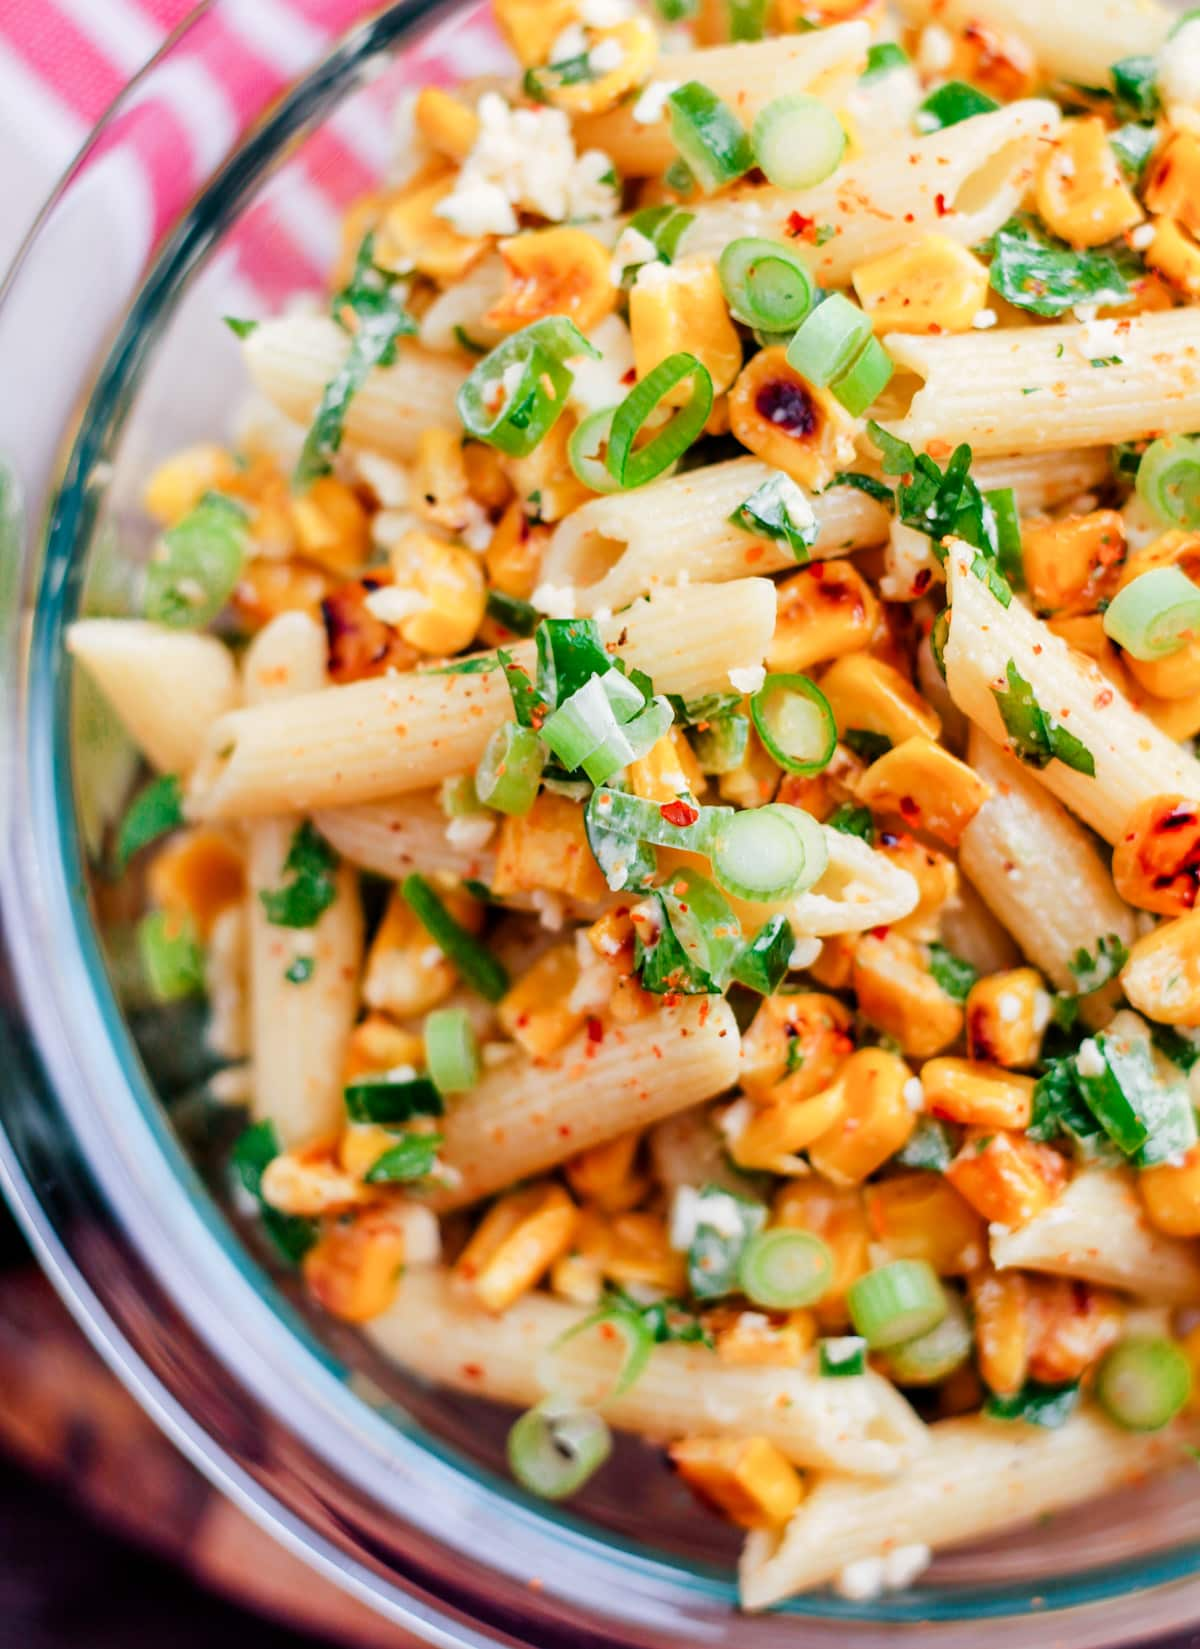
679 812
798 224
595 1030
879 933
473 1371
672 999
909 808
1104 698
942 209
629 376
922 581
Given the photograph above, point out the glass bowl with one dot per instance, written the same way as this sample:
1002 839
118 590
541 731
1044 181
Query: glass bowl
213 187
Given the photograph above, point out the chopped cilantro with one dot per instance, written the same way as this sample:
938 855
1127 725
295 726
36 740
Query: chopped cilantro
866 743
156 809
1037 739
411 1158
1092 971
853 821
953 973
310 864
301 970
1037 1404
1033 270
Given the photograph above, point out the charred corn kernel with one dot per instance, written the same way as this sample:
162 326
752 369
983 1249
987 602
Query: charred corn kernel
754 1340
378 1044
532 26
536 1012
920 1217
869 695
640 1252
486 480
438 490
1007 1015
1162 976
824 610
1071 563
682 307
310 1183
514 556
636 40
265 589
451 584
557 271
897 993
445 122
1072 1325
358 643
795 1046
785 421
607 1175
1173 188
180 482
667 770
928 787
1085 632
1156 863
332 528
1171 1195
519 1238
836 1214
198 873
1080 192
406 972
1007 1177
1176 255
834 967
935 285
983 1096
935 874
612 938
875 1120
746 1478
361 1145
411 235
1000 1307
355 1266
547 849
770 1137
999 63
754 781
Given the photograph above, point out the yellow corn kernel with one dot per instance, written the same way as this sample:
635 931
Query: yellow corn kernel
310 1183
836 1214
897 993
637 41
406 972
1000 1307
514 556
772 1136
532 26
754 1340
682 307
1179 719
198 873
1176 255
934 285
754 781
1007 1177
640 1252
919 1217
983 1096
547 849
825 610
1007 1015
928 787
354 1267
1072 562
438 488
412 236
577 1278
1173 188
1072 1325
547 472
795 1046
866 694
377 1044
746 1478
667 770
1085 632
451 583
1156 863
180 482
332 528
875 1121
557 271
834 967
1162 976
935 874
612 938
607 1175
1080 192
486 480
535 1012
267 588
785 421
362 1144
1171 1195
445 122
518 1239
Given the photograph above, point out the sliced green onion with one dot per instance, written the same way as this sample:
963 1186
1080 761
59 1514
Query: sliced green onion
571 651
311 886
783 1269
1006 520
389 1099
866 380
951 103
747 19
711 140
478 967
663 227
521 617
794 721
882 59
779 510
624 861
1133 145
451 1050
1147 1118
1168 481
853 821
553 1451
931 1146
517 392
1037 1404
458 798
199 561
581 724
257 1146
842 1356
620 1343
700 939
154 811
934 1355
510 769
765 285
654 822
171 957
830 340
762 966
798 141
724 1224
896 1302
630 468
719 746
1155 614
768 853
629 743
586 447
411 1158
1143 1382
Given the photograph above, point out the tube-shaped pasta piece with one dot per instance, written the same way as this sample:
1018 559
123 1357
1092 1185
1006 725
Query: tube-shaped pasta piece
859 1424
1038 871
747 76
408 833
860 889
167 686
461 308
407 732
1043 479
1133 759
1023 388
976 1478
1098 1231
1079 43
963 182
292 359
525 1117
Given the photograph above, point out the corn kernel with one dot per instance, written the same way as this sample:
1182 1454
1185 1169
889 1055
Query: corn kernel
607 1174
875 1122
935 874
180 482
1176 255
825 610
983 1096
451 582
547 849
376 1044
751 1339
920 1217
362 1144
1007 1014
1179 719
834 967
557 271
309 1183
928 787
1173 187
611 936
532 26
897 992
332 527
355 1266
667 770
640 1252
406 972
578 1279
536 1011
546 472
359 644
795 1046
682 307
637 41
1000 1307
865 693
265 589
518 1239
1162 976
1170 1195
412 236
1007 1177
788 423
1156 863
514 556
486 480
1072 562
836 1214
772 1135
446 123
438 490
199 873
746 1478
935 285
1072 1325
1080 192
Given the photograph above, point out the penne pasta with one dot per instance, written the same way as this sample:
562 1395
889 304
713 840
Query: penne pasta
1080 43
398 835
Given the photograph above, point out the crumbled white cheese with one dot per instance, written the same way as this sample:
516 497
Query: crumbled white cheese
656 274
550 910
571 42
1008 1006
984 319
935 49
735 1119
555 600
749 679
632 249
392 604
386 479
593 988
892 1572
592 191
605 14
1142 237
652 104
685 1212
477 531
606 57
422 1232
1090 1061
597 384
720 1213
1085 312
804 952
913 1094
1179 66
1097 340
470 831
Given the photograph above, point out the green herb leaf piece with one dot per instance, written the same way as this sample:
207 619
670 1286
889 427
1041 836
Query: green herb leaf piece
310 863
